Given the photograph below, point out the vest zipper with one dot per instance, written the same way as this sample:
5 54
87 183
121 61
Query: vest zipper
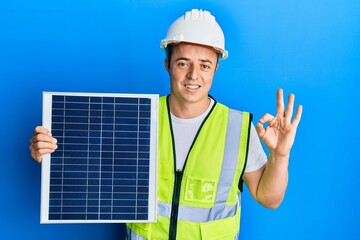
175 205
179 174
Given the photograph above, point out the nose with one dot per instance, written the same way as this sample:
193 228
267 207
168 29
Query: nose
193 73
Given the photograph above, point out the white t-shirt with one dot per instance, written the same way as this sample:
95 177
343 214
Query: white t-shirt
184 133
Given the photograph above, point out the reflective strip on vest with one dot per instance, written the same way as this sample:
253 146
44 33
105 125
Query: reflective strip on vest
220 210
195 214
232 144
133 236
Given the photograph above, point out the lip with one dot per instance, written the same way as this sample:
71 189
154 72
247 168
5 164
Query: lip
192 86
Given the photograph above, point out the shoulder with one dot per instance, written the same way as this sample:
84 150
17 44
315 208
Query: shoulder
227 108
232 115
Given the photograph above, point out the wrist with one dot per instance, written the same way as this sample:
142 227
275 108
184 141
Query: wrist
278 159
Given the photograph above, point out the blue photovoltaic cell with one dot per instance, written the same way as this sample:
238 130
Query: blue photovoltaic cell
100 170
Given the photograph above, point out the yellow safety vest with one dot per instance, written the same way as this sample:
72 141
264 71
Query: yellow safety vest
203 201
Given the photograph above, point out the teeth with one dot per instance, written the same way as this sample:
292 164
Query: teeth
192 86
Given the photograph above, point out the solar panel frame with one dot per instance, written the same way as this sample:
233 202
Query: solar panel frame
113 215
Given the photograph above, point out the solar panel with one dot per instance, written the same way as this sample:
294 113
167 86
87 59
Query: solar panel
104 169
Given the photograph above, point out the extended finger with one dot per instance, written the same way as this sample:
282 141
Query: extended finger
280 102
289 107
297 117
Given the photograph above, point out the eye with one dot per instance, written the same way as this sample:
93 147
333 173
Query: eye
206 67
182 64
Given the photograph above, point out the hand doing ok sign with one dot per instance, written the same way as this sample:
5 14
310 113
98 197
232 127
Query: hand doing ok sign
279 135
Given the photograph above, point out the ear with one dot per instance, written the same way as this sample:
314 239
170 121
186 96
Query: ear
166 64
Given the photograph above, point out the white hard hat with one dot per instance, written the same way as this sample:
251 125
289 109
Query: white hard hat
199 27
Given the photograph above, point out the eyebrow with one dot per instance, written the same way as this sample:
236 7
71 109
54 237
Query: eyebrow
188 59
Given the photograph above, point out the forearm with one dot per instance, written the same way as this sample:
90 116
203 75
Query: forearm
274 180
278 136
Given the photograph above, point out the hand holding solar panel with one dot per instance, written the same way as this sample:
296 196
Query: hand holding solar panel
102 166
42 143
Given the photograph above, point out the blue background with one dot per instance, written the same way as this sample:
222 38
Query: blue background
311 48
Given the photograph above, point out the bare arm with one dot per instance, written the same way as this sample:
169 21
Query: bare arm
42 143
268 184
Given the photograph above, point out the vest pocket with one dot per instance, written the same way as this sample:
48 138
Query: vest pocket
224 229
200 190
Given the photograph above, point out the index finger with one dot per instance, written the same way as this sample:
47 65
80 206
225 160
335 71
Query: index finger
42 130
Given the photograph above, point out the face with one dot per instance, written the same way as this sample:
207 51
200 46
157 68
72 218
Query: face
191 69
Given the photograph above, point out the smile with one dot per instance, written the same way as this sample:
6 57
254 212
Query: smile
192 86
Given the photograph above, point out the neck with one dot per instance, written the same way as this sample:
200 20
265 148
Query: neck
187 110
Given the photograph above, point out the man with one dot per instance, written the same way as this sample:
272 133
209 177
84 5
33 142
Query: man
206 150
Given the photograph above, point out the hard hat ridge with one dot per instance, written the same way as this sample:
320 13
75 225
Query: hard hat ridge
199 15
199 27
